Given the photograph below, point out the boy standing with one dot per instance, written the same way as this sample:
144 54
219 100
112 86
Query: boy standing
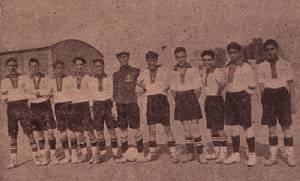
214 84
124 95
60 86
13 93
276 80
186 89
101 93
81 113
42 114
154 80
240 85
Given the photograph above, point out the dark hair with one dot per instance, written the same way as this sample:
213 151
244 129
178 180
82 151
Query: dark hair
151 54
234 45
98 60
179 49
58 62
33 60
79 58
208 52
11 59
271 42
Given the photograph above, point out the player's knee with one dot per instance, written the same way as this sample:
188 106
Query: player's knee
249 132
152 129
222 133
272 131
195 130
287 131
235 130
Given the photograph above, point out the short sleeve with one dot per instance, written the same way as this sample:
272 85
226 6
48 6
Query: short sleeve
289 71
250 76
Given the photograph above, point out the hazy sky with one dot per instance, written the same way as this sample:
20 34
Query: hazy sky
139 25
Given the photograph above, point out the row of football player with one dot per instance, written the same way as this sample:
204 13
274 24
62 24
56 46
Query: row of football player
71 98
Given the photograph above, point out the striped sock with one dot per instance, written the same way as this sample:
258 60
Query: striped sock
198 145
82 142
93 142
236 143
13 147
152 144
64 143
34 146
172 145
42 144
73 143
52 144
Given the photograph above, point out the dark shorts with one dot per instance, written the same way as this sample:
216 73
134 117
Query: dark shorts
214 110
18 111
81 117
276 104
42 116
102 112
187 106
128 115
63 115
238 109
158 110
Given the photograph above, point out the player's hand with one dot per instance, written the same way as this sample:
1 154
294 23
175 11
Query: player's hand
114 110
5 100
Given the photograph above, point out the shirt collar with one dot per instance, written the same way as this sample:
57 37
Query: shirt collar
14 75
38 74
156 67
186 65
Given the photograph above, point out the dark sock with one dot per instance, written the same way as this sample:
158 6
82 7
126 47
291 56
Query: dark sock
65 143
101 144
236 143
251 144
124 144
82 142
223 141
93 142
73 143
273 140
114 142
189 144
42 144
34 146
288 141
139 143
52 144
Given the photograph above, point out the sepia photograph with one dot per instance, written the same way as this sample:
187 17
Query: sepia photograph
149 90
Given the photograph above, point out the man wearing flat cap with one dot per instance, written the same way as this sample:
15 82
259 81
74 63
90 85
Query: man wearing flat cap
125 98
154 80
276 81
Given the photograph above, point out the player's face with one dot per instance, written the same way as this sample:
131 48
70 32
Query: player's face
271 52
12 67
34 67
123 59
234 54
59 69
79 66
181 58
208 62
152 62
98 68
